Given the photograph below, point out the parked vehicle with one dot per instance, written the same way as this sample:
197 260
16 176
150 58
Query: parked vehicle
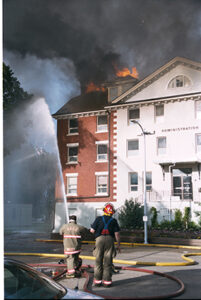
24 282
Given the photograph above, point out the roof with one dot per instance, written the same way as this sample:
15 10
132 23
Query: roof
155 75
120 81
93 101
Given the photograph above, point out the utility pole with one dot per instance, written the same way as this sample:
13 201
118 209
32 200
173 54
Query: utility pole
145 217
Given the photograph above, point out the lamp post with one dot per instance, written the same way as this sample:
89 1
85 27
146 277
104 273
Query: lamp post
145 217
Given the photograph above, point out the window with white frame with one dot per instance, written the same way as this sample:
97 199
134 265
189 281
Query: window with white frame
72 153
133 181
101 123
161 145
133 114
73 126
72 184
159 113
198 109
102 150
179 81
101 183
148 181
132 147
198 143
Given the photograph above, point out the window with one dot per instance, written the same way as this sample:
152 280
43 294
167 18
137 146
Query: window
101 184
102 150
148 181
198 142
179 81
161 145
159 113
133 147
133 182
133 114
198 109
73 154
73 126
101 123
71 185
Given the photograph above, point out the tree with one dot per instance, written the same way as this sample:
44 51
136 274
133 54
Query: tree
131 215
13 98
13 94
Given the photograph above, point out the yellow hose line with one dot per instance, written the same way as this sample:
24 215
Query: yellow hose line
144 263
132 244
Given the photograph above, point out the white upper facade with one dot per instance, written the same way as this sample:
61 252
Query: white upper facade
168 105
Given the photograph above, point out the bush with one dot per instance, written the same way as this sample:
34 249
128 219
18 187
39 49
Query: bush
131 215
187 217
178 222
154 215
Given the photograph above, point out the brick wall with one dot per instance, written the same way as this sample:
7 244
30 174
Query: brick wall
87 153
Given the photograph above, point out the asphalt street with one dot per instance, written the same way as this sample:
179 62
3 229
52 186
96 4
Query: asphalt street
138 283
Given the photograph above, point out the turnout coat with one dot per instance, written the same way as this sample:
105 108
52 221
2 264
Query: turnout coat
72 237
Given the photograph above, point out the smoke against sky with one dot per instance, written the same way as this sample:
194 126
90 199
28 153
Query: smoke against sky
96 34
46 78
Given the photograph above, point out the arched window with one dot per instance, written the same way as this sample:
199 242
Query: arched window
179 81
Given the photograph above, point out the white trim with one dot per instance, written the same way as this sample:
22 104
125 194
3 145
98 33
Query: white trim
101 173
101 161
69 134
101 142
101 194
101 131
72 144
72 163
114 196
71 174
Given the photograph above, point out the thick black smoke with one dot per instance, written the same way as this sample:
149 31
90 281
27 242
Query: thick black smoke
96 34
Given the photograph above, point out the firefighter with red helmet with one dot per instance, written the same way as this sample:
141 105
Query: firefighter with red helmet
106 230
72 234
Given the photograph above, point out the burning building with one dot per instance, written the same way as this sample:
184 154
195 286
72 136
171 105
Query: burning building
102 150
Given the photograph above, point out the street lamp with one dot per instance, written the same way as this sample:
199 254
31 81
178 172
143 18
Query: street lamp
145 218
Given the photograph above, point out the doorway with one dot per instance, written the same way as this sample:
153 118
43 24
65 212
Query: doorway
182 183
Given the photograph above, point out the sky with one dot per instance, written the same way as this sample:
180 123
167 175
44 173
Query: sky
57 47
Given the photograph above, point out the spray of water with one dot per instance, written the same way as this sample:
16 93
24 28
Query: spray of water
30 168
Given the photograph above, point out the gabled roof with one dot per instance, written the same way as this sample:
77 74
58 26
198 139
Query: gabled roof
156 75
88 102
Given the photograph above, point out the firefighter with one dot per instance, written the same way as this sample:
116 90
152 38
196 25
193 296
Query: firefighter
72 234
106 230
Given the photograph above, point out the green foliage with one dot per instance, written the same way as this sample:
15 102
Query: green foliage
178 219
131 215
154 215
13 94
187 217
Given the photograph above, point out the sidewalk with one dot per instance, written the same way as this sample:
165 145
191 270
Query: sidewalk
135 284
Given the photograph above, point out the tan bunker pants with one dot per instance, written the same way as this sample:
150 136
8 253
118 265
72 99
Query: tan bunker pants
103 252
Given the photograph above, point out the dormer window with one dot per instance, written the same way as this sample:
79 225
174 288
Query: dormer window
179 81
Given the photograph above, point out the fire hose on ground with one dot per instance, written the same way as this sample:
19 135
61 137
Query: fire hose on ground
89 277
87 267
